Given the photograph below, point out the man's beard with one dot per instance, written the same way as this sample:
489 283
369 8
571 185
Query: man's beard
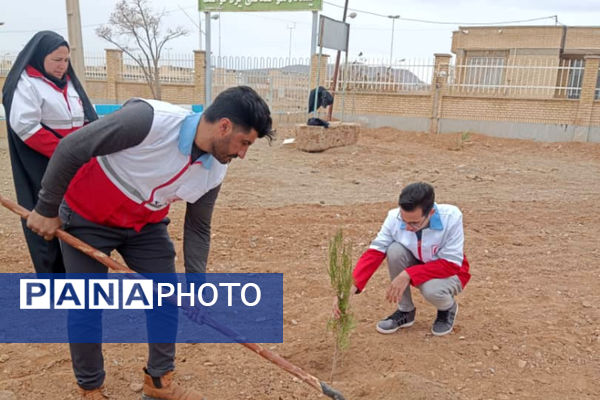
220 151
225 160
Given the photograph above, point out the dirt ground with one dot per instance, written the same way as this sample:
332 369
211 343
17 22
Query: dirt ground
528 326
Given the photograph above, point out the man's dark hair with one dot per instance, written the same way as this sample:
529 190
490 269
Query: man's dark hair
418 194
245 108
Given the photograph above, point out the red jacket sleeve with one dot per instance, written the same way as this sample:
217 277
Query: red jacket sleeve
366 266
43 141
437 269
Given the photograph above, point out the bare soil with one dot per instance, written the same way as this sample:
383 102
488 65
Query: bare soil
528 326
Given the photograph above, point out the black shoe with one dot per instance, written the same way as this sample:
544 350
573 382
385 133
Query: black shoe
444 321
399 319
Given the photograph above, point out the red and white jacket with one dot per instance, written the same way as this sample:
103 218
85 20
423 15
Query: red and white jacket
134 186
38 101
440 249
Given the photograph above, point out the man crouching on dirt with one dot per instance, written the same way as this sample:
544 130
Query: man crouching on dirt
423 243
118 176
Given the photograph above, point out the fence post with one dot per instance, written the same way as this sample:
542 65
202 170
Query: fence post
586 100
114 71
199 76
322 73
439 82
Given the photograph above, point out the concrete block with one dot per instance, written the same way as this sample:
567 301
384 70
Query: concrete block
318 138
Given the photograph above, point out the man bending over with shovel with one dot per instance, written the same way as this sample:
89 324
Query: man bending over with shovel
118 176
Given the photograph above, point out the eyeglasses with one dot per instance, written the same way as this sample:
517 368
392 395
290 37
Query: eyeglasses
414 225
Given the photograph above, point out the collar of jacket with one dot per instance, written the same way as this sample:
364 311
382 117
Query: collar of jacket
435 222
187 133
34 73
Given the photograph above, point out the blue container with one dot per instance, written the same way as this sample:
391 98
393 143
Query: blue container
103 109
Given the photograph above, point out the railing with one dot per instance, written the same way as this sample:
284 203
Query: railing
95 67
533 79
403 76
172 69
285 82
6 62
282 82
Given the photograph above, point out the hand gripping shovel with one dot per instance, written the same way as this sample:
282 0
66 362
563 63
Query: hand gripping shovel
102 258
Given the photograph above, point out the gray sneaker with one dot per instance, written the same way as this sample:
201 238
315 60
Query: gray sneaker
399 319
444 321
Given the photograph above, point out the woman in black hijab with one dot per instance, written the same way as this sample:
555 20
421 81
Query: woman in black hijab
43 101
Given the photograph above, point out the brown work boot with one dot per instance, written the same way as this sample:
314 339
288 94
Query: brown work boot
93 394
163 388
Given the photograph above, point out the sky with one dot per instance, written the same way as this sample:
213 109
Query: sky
280 34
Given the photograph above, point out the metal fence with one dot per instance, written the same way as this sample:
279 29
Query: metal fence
95 67
533 79
173 68
282 82
403 76
6 62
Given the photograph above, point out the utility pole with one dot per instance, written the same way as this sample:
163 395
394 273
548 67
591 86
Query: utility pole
337 66
75 40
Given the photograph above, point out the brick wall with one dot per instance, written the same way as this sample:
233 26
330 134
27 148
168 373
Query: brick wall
595 117
116 90
384 104
582 38
553 111
506 37
178 94
523 37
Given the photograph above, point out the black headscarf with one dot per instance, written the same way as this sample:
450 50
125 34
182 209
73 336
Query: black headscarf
28 165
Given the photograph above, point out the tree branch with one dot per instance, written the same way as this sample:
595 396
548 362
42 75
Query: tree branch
134 19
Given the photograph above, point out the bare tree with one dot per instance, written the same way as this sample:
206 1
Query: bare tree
134 21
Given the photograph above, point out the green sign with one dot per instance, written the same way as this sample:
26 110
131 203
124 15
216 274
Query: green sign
259 5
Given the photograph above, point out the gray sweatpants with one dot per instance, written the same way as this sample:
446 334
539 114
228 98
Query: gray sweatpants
439 292
147 251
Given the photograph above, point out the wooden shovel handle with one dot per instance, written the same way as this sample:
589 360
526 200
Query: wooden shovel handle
70 239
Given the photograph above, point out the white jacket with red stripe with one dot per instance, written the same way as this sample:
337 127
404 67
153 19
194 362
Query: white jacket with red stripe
37 101
134 186
440 249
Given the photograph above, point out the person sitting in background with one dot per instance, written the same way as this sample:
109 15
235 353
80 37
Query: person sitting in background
44 101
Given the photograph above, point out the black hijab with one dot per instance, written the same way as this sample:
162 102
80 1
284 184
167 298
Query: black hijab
27 164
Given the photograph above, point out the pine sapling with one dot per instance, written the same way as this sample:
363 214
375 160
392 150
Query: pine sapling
340 275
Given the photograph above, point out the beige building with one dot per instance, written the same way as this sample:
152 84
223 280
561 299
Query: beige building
532 82
525 58
526 42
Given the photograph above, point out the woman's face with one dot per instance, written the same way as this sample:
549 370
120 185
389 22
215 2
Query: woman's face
57 62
